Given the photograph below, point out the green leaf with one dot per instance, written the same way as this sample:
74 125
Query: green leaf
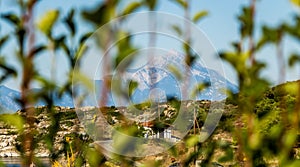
59 41
126 51
192 140
182 3
78 77
66 49
290 138
102 14
12 18
132 86
46 22
270 35
81 51
190 59
3 40
198 88
125 138
174 70
238 61
38 49
177 29
246 22
69 20
94 157
295 2
199 16
8 70
131 7
294 59
85 37
151 4
13 120
229 155
255 140
236 46
291 88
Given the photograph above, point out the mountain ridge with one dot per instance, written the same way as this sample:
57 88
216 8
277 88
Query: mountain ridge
155 80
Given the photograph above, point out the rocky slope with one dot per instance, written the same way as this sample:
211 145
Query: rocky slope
8 136
67 125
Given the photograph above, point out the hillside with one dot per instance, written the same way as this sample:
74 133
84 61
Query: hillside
67 129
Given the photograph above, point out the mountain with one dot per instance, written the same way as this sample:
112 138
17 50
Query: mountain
8 99
9 104
155 81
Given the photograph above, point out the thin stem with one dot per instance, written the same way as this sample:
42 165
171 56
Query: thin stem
26 80
251 37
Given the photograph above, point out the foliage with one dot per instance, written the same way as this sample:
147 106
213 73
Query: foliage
262 122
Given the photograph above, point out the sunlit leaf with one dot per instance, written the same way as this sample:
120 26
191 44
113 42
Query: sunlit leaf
290 138
199 16
295 2
131 7
13 120
192 140
47 21
80 52
255 140
94 157
291 88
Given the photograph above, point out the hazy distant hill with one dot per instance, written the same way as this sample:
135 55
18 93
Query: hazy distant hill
9 104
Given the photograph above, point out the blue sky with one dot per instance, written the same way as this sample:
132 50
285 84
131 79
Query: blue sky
221 27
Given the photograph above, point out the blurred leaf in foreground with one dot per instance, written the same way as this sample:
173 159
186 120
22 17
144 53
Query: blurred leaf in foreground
46 22
295 2
13 120
199 16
